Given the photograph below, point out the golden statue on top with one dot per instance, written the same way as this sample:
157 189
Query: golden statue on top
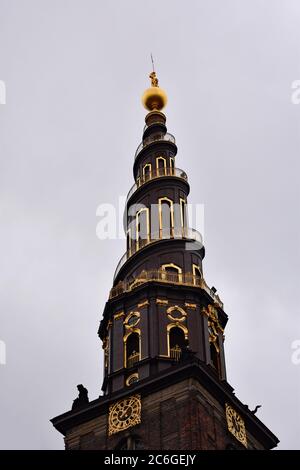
154 98
154 79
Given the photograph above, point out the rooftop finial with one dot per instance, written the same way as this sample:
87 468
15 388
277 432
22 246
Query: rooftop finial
154 98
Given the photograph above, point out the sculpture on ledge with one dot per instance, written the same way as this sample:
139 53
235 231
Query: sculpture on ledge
82 398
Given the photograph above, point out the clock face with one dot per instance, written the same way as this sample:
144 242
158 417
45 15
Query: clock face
236 425
124 414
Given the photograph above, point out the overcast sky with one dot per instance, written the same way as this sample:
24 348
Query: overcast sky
74 72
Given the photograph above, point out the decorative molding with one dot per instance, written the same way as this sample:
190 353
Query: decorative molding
143 304
130 315
119 315
132 376
162 302
212 314
193 306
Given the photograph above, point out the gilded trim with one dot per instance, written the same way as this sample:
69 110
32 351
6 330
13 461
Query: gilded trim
162 302
148 165
131 314
119 315
183 212
176 324
157 165
137 227
161 228
143 304
172 265
136 375
193 306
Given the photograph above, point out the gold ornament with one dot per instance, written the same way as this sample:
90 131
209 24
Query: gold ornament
154 98
124 414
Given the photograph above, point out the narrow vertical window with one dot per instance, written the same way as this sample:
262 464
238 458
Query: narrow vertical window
166 218
142 228
161 166
183 215
147 172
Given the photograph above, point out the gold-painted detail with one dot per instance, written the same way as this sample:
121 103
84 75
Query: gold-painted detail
212 313
135 356
176 308
169 230
140 242
178 325
105 347
154 79
236 424
119 315
154 98
109 324
213 335
175 353
133 359
165 267
132 378
131 330
143 304
183 213
169 328
161 171
159 275
196 271
193 306
130 315
124 414
162 302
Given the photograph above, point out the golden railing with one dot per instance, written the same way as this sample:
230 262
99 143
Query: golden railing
186 279
175 353
133 359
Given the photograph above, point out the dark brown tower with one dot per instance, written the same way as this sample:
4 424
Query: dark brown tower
163 328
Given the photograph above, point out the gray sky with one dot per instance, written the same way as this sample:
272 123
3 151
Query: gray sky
74 72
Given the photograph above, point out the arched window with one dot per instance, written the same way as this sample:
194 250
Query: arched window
177 341
196 275
132 349
171 272
161 166
147 172
166 217
142 227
